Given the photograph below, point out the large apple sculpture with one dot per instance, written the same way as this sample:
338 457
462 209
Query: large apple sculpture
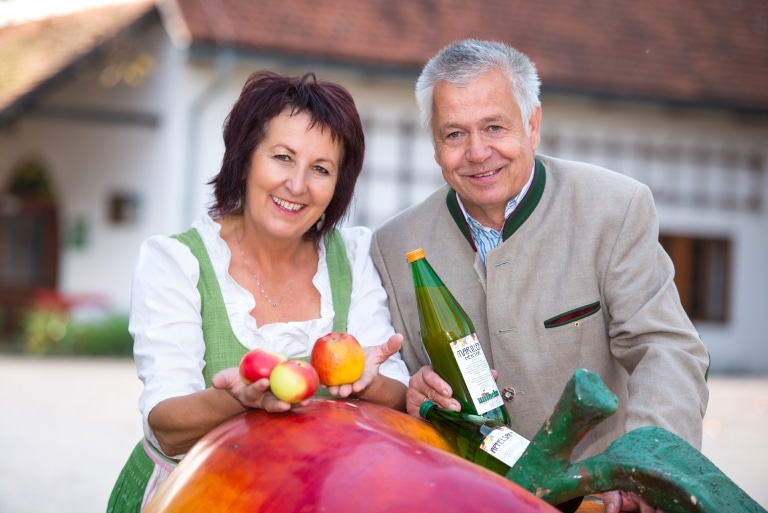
337 456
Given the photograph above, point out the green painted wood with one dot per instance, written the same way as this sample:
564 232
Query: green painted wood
652 462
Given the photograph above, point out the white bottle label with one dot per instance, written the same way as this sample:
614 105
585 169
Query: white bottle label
476 373
505 444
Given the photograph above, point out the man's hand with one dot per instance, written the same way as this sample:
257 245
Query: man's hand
426 384
617 501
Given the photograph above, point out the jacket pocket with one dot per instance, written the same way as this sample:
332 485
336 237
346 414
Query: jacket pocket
572 315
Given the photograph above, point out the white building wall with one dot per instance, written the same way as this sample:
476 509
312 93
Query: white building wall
88 160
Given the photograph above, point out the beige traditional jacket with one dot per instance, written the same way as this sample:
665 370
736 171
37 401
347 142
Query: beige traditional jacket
579 281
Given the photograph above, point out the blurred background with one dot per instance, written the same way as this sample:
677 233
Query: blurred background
110 128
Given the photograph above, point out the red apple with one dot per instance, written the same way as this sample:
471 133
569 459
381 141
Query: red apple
258 364
293 381
338 359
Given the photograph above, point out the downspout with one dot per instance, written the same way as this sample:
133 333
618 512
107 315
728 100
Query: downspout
225 65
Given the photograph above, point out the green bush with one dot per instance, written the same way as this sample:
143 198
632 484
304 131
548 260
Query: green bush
55 332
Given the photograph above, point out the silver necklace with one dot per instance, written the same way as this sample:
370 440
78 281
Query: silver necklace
274 304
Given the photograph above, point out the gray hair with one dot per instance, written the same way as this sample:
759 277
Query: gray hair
463 61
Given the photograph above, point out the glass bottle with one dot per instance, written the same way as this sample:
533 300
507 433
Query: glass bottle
451 343
487 442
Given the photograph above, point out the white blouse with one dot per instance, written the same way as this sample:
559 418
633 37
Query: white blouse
166 324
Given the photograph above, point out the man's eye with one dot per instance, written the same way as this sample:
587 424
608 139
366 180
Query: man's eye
494 128
452 135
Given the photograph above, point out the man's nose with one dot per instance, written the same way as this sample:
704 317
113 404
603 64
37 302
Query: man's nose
478 149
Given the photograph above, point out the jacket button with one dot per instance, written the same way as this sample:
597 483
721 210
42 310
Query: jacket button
508 393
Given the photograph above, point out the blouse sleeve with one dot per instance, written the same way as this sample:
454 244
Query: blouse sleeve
165 323
369 319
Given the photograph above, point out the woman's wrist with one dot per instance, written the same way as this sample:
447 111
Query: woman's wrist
385 391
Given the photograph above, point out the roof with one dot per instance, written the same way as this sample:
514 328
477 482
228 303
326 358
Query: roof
710 53
35 55
695 52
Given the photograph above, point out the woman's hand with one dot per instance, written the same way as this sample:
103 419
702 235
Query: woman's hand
374 357
255 395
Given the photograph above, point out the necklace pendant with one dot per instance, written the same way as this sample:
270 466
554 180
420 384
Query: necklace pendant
274 304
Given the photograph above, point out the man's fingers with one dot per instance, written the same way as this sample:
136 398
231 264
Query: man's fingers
437 384
612 501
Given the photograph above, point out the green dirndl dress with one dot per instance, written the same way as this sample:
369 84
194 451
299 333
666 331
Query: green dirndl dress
222 350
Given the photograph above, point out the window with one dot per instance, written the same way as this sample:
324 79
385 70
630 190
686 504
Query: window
701 274
690 174
123 208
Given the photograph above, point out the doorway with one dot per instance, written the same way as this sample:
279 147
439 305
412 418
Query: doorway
29 243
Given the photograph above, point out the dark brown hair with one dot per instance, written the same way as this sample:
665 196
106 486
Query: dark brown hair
264 96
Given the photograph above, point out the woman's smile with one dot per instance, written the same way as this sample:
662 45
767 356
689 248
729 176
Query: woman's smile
287 205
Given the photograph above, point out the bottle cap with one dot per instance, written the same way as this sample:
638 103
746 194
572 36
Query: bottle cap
416 254
425 406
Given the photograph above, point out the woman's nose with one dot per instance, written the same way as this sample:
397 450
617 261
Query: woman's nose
296 181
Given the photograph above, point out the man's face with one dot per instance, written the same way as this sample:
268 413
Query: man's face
481 143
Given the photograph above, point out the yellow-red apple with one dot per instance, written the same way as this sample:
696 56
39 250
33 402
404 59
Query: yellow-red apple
338 359
258 363
293 381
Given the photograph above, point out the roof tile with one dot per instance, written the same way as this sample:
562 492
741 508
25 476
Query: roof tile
688 51
34 53
696 52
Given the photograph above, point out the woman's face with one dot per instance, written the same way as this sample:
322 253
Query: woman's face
292 177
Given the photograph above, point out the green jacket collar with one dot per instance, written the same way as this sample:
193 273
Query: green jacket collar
514 221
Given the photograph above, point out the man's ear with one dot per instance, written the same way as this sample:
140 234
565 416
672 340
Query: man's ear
534 126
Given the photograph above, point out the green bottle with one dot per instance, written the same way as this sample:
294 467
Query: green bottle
451 343
487 442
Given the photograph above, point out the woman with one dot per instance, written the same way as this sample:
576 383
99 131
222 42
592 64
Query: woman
266 267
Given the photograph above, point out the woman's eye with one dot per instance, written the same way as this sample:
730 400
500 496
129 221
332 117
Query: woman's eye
321 169
284 158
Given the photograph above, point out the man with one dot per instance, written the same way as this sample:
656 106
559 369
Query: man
557 263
